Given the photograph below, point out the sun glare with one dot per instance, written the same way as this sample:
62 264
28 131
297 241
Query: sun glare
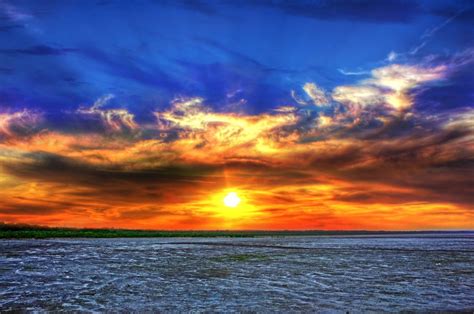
231 199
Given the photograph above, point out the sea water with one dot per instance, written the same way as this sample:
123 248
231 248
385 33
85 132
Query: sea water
305 274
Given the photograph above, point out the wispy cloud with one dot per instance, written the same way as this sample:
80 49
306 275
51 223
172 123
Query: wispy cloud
432 31
20 123
113 119
388 85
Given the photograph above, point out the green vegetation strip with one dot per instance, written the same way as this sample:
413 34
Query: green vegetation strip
17 231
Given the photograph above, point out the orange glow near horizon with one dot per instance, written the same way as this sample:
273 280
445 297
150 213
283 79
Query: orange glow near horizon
285 173
297 207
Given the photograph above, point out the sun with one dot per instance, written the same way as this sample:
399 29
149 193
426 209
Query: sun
231 199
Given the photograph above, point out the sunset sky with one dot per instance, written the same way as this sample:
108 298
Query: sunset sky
315 114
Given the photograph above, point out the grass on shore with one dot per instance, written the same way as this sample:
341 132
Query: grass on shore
21 231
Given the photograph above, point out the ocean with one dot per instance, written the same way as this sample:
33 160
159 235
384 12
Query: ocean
433 272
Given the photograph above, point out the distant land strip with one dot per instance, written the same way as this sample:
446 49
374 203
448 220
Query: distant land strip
22 231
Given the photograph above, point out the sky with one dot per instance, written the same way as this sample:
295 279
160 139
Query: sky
330 115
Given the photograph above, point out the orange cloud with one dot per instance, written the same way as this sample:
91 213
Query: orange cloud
349 166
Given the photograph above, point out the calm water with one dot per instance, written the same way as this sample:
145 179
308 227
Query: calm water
266 274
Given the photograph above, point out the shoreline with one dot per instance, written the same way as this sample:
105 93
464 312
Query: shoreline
15 232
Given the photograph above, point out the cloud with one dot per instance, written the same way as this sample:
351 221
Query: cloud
392 56
353 72
388 86
268 147
113 119
316 93
49 167
360 96
402 77
463 120
358 153
199 129
20 123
